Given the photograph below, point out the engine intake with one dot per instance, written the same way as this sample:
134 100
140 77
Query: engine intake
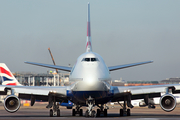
168 102
11 103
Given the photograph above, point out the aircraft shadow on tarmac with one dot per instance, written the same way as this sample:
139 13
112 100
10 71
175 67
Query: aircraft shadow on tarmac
109 115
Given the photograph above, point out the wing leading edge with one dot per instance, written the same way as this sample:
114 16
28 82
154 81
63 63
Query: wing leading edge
38 92
51 66
138 92
112 68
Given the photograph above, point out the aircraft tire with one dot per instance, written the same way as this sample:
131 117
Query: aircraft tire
128 112
105 112
98 112
73 112
81 112
87 114
58 113
51 113
121 112
93 114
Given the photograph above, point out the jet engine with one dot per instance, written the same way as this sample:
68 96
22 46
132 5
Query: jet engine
167 102
12 103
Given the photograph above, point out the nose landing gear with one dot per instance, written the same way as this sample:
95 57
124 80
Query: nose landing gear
90 102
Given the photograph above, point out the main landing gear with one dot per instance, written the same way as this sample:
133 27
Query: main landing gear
52 103
90 102
77 111
55 111
124 110
101 111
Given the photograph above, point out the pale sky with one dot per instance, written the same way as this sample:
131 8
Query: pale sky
122 32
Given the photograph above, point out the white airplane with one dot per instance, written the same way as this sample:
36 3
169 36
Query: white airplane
90 75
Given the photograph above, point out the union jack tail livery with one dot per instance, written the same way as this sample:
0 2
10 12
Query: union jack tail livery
6 77
88 41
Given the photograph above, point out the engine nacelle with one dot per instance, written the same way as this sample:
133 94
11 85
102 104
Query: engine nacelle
11 103
167 102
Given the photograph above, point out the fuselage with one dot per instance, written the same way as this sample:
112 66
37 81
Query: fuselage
90 76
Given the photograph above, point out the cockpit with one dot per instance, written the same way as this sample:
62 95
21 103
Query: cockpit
90 59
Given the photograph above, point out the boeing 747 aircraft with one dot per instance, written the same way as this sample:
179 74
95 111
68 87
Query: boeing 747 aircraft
90 75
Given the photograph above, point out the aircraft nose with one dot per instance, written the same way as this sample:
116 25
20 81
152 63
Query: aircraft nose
90 81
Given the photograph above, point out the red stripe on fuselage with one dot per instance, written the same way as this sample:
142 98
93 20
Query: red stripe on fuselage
11 84
2 70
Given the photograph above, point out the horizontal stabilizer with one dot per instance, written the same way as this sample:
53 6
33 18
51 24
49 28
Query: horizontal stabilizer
51 66
127 65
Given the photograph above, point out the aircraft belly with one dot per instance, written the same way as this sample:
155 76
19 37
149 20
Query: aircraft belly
83 90
99 96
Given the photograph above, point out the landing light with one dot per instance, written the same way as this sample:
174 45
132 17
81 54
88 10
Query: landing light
52 91
127 90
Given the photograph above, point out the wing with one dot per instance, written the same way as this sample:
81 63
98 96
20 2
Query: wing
51 66
38 92
147 93
138 92
127 65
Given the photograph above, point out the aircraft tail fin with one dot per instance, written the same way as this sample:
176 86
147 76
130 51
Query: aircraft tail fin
6 77
88 41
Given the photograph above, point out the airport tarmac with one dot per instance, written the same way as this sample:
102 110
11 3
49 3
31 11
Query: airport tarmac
38 111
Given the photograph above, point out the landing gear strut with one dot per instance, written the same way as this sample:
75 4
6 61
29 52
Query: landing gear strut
52 103
124 110
101 111
77 111
90 102
55 111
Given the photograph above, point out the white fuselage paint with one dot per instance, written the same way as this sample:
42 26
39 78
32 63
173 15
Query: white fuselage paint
90 75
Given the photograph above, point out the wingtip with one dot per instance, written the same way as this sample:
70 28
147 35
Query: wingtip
25 61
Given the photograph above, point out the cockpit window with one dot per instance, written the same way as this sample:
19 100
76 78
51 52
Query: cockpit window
90 59
94 59
87 59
